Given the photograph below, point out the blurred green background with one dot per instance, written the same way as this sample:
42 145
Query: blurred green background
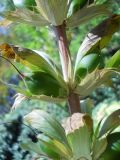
105 100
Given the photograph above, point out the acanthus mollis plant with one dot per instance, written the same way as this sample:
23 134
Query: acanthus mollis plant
74 81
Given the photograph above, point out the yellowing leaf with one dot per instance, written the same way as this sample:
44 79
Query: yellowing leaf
35 60
7 51
5 23
78 128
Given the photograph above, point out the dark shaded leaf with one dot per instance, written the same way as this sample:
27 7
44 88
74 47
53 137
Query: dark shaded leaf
111 152
40 83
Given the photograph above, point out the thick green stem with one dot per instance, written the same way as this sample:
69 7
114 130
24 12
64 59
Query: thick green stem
73 99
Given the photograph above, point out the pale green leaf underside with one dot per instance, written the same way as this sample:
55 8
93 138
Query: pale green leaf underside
85 14
93 81
48 125
54 11
25 16
56 147
53 134
41 148
79 141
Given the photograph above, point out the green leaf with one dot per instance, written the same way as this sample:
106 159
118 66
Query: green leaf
79 141
99 37
30 4
116 146
111 152
53 137
87 64
35 60
78 128
47 124
40 83
99 147
75 5
93 81
30 58
55 146
54 11
31 146
24 15
114 61
85 14
111 122
40 148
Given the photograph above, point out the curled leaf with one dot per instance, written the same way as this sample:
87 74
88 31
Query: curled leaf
19 98
76 121
35 60
48 125
111 122
98 38
94 80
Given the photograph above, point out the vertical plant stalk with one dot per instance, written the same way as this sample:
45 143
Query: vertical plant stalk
73 99
74 103
60 32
